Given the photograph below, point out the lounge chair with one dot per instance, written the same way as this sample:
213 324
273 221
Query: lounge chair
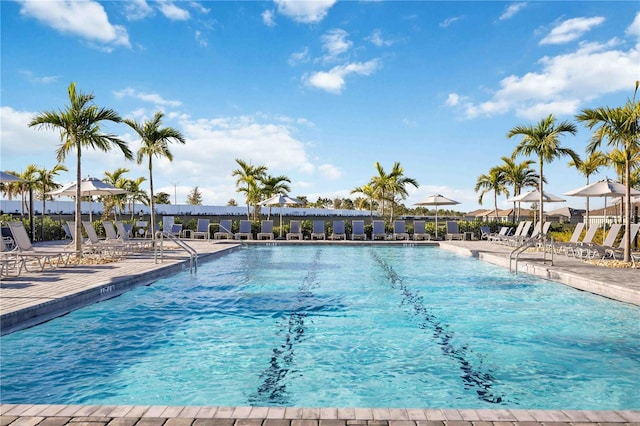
142 229
613 252
110 248
357 230
167 223
485 232
124 234
453 231
588 238
176 230
244 231
591 251
295 230
266 230
419 231
202 230
504 232
561 246
44 257
224 230
318 230
378 232
399 232
521 233
112 236
338 230
11 260
67 232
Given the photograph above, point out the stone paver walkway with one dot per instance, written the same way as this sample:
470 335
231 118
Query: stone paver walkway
36 297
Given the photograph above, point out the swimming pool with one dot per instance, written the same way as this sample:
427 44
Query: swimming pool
335 326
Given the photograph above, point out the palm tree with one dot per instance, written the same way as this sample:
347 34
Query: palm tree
494 181
380 185
248 179
80 127
543 140
519 175
115 202
135 193
369 192
398 185
11 189
621 128
589 166
274 185
46 183
155 143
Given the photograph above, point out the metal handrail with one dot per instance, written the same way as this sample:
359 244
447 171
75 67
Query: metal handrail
528 243
193 254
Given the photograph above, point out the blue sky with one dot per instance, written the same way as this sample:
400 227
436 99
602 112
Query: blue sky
318 90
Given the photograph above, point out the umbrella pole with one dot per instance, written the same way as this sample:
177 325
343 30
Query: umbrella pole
436 222
280 222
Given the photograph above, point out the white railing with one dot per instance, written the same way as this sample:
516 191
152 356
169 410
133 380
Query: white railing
193 254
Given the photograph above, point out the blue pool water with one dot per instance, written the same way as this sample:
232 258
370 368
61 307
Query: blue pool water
336 326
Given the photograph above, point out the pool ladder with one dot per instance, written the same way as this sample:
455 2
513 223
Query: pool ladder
538 240
193 254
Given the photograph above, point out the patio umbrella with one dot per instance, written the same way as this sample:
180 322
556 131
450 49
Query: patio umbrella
436 200
603 188
533 196
281 200
6 177
88 188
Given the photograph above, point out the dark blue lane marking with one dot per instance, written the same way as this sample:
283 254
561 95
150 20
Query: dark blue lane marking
273 390
472 377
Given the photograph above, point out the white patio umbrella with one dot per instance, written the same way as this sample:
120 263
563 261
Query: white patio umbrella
603 188
7 177
88 188
436 200
533 196
281 200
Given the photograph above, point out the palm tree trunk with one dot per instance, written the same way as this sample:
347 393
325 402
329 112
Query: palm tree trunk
78 232
541 216
153 204
495 204
627 212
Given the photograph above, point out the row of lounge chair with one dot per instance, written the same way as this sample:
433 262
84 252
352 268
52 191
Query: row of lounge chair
319 232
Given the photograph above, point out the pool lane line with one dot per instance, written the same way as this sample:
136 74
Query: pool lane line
472 377
273 389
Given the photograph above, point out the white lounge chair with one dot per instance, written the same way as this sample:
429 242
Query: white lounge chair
378 232
245 231
338 230
357 230
295 230
590 251
110 248
561 246
44 257
318 230
266 230
399 231
614 252
572 249
224 230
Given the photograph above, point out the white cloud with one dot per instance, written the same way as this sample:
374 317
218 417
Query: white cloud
561 86
334 80
376 39
173 12
202 41
335 43
571 29
87 19
268 19
39 79
634 28
306 12
449 21
153 98
137 9
301 57
511 10
329 171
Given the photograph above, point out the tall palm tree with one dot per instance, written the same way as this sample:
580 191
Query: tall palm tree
589 166
116 202
135 193
543 141
80 127
11 189
155 143
380 184
621 128
248 179
398 185
45 184
274 185
369 192
494 181
519 175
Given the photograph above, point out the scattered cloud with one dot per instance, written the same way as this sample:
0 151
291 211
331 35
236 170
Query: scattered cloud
333 81
511 10
32 78
137 9
447 22
173 12
571 29
563 83
335 43
301 57
268 18
329 171
634 28
377 40
306 12
202 41
153 98
86 19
